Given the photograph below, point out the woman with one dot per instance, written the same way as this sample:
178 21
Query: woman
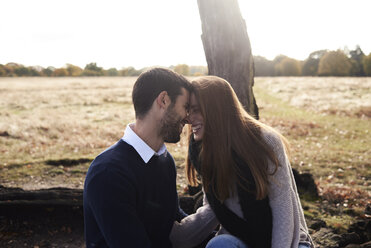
245 173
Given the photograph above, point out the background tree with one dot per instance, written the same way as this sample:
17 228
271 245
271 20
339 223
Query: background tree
92 69
227 48
60 72
22 71
18 70
182 69
48 71
367 65
9 68
334 63
310 66
73 70
263 67
288 67
130 72
276 64
2 71
197 70
356 58
35 71
112 72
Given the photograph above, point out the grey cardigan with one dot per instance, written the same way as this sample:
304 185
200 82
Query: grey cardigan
289 226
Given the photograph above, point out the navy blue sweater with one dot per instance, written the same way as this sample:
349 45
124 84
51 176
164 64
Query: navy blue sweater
128 203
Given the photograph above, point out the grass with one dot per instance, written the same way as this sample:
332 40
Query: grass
334 146
71 120
52 119
335 149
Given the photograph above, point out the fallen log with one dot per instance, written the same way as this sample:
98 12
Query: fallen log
73 197
51 196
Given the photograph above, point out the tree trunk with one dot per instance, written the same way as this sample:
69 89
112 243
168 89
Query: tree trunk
227 48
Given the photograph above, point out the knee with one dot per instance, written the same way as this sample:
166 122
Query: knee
225 240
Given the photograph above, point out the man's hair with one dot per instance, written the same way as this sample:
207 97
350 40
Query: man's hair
151 83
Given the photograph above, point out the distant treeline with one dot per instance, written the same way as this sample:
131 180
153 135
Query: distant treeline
90 70
319 63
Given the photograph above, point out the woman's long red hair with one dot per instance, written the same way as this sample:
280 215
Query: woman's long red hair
228 127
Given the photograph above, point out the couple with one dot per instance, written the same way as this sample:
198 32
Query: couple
130 197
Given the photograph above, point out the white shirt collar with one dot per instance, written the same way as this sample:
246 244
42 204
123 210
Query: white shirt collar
144 150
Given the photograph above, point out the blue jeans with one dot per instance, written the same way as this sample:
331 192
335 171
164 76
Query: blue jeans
230 241
225 241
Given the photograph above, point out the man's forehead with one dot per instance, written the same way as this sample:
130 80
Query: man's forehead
185 94
185 91
183 98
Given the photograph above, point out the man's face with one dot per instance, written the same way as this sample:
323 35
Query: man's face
175 118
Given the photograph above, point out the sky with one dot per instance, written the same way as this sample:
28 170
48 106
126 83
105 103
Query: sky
141 33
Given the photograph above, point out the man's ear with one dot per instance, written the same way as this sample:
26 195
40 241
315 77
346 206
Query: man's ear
163 100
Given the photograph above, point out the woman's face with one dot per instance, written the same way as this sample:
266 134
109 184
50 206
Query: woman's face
195 118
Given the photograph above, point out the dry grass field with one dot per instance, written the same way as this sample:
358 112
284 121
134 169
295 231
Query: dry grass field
51 128
327 121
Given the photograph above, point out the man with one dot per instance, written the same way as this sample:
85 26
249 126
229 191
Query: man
130 197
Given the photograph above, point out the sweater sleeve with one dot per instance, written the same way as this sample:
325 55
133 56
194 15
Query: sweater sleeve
283 200
194 228
111 197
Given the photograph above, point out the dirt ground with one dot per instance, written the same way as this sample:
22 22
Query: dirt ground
41 226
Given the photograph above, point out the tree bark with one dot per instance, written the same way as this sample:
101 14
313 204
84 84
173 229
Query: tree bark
227 48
